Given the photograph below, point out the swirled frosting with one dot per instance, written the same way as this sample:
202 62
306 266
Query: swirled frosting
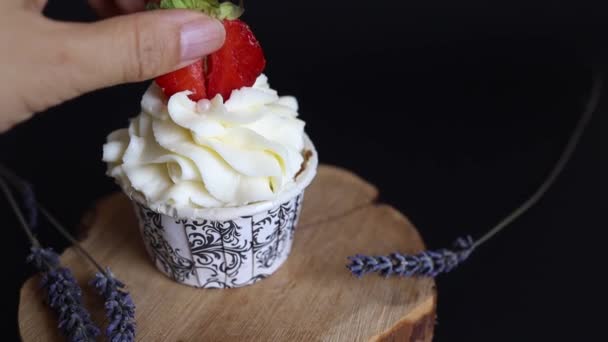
212 153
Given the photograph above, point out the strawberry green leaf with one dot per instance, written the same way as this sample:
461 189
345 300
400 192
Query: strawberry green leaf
221 11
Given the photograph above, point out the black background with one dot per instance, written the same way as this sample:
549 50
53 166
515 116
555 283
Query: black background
456 110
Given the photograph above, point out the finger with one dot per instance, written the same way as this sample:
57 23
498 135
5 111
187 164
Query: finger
138 47
35 5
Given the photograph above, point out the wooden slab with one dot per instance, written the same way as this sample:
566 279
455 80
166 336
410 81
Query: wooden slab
311 298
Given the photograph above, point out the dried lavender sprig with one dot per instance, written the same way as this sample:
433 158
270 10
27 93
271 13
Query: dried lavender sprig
64 296
433 263
120 308
424 264
44 259
63 292
119 305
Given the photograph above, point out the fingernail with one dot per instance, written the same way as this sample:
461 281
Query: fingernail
200 38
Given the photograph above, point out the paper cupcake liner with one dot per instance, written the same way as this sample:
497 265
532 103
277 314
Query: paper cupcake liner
220 254
224 247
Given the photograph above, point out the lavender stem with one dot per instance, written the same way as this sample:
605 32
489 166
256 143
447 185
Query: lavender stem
65 233
559 167
13 203
29 199
16 180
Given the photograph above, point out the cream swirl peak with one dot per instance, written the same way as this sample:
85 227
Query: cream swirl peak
209 154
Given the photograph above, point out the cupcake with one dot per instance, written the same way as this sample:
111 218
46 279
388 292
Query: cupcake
216 167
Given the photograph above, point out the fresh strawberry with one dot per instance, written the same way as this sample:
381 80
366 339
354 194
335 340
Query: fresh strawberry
189 78
237 64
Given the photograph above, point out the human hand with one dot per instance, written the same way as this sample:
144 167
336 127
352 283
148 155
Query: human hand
44 62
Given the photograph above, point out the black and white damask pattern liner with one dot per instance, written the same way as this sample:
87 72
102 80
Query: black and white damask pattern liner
212 254
172 262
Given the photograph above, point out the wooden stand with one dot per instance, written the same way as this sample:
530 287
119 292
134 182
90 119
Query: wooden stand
312 297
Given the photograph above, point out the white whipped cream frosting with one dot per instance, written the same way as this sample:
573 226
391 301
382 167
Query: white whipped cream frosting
210 154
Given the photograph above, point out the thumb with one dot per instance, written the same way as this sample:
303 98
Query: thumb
139 46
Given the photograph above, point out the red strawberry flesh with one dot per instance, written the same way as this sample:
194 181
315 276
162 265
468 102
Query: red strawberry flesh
237 64
189 78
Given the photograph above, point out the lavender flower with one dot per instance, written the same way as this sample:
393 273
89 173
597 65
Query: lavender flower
425 264
44 259
64 296
120 308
